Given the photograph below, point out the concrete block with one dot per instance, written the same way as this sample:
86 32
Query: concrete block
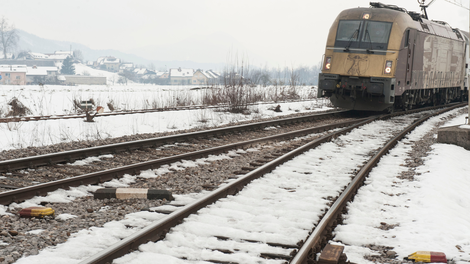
132 193
456 135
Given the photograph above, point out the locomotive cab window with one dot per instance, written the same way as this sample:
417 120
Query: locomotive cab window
360 34
348 30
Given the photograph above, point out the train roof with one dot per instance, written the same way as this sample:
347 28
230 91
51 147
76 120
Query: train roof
401 18
431 26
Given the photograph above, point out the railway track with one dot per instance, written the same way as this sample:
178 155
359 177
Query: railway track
75 116
21 194
73 155
114 113
254 165
233 243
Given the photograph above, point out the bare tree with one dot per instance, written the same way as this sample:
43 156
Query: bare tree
8 36
22 55
78 55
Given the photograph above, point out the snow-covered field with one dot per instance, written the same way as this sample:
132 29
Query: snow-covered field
58 100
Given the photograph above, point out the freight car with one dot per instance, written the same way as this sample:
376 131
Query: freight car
383 58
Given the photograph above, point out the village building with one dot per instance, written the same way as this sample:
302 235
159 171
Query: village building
163 75
126 67
37 71
209 77
109 63
41 75
13 74
57 58
181 76
141 71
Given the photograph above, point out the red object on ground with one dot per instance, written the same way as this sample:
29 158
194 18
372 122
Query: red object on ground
438 257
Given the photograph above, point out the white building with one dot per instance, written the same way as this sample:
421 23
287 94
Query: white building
181 76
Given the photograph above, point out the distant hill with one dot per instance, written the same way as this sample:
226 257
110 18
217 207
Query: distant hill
31 42
215 47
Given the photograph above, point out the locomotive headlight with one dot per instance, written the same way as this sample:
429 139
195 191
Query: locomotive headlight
388 67
328 63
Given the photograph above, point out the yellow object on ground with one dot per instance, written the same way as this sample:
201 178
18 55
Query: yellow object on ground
428 257
37 212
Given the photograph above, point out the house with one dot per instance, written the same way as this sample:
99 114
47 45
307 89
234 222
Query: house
35 75
57 57
109 63
112 64
199 78
41 75
36 56
163 75
128 66
162 78
181 76
13 74
37 71
205 78
140 71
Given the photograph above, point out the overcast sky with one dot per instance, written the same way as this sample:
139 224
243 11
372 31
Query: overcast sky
272 32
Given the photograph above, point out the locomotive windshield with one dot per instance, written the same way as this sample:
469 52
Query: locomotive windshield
364 35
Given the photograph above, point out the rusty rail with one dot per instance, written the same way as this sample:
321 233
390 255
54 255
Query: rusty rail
102 176
114 113
72 155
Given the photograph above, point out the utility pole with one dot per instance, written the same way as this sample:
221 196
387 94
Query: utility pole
459 3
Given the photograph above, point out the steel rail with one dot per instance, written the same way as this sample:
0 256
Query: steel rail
102 176
56 117
124 112
314 242
158 230
72 155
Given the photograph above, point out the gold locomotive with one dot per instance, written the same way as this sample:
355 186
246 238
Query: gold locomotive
384 57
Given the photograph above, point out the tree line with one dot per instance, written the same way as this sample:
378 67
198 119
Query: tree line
285 76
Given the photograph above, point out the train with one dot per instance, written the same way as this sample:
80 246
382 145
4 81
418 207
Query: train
383 58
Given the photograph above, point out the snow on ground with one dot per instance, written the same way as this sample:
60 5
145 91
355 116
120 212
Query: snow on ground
425 213
58 99
43 133
432 213
55 100
113 231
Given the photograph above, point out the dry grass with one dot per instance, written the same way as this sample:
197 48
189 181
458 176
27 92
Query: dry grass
17 108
